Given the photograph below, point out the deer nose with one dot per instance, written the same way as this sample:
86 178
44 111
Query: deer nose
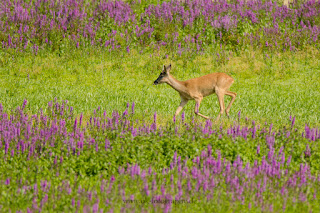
155 83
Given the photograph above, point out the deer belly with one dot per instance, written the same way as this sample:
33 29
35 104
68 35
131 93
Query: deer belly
207 92
186 96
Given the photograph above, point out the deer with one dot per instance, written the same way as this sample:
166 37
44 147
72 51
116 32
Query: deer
198 88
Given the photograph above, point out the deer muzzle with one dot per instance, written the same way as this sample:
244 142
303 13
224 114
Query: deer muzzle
156 82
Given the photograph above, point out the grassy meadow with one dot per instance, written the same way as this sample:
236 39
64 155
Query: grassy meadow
83 128
269 89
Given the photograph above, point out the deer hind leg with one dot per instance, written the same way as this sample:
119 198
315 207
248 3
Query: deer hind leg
233 97
197 107
220 95
182 104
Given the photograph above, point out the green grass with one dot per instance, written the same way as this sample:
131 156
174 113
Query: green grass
272 85
269 89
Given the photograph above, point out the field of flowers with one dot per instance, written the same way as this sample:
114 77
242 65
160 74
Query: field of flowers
178 26
56 161
95 153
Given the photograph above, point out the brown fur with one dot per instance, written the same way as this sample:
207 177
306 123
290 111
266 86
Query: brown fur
198 88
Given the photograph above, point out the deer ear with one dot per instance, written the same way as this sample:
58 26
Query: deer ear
164 69
169 68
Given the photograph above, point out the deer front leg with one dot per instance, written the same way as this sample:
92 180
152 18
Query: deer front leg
182 104
197 107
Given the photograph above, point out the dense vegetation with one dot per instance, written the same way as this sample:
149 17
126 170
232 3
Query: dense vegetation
179 26
114 146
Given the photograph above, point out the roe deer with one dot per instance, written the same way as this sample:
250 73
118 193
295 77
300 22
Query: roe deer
198 88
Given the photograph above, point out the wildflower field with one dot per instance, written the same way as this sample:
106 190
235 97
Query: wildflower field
82 128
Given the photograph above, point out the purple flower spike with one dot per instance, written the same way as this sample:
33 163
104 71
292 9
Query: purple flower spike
97 147
183 116
293 121
24 104
75 125
95 208
307 153
155 117
209 150
125 113
7 181
107 144
289 160
132 108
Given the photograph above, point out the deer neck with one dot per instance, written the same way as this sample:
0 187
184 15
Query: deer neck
176 84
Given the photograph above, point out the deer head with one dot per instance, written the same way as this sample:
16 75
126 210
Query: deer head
163 75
